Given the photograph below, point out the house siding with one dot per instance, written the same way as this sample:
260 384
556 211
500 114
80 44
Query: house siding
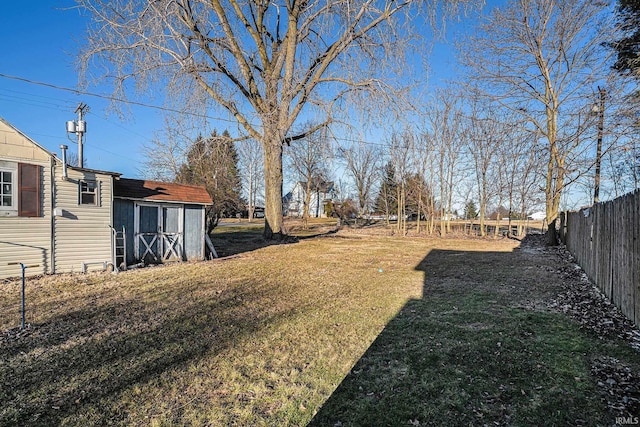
296 199
82 233
22 239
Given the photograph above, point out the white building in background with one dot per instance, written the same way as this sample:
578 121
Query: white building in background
538 216
321 195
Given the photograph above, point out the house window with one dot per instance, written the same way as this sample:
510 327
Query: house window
20 189
7 189
89 193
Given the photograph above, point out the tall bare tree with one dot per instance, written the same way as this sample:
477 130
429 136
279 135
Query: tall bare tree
166 152
446 127
362 162
485 137
308 159
262 62
542 58
250 163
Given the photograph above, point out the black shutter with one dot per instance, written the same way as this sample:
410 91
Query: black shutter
28 190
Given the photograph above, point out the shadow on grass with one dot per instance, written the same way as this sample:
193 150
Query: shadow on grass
233 240
82 361
470 353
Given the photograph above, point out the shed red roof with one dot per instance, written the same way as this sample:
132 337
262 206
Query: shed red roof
160 191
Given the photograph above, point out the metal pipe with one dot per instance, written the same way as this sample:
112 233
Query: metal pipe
64 160
23 267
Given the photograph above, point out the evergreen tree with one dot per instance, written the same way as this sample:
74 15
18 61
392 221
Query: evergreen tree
213 162
470 210
386 202
419 195
628 46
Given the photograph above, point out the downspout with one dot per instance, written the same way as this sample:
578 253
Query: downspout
52 170
111 228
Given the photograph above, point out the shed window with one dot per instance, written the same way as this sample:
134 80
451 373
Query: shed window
89 193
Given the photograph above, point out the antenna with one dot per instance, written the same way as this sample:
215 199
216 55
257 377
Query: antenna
79 127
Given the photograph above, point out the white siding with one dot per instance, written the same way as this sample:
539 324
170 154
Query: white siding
25 240
82 232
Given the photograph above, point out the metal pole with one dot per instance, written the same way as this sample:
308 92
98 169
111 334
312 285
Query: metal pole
596 191
80 130
23 267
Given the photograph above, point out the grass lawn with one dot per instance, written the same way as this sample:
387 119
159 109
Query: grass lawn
343 330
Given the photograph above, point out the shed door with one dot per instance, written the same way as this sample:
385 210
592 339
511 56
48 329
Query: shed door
148 244
171 241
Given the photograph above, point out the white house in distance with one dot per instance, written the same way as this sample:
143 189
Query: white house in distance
293 202
538 216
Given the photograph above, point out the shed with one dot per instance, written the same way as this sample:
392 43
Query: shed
161 221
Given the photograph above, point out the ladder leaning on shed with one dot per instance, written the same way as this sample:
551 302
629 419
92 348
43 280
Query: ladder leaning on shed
119 249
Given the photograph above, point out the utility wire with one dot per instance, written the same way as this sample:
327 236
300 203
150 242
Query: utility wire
171 110
111 98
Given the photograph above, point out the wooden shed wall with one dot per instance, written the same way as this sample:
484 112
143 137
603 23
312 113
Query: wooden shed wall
193 232
123 215
193 229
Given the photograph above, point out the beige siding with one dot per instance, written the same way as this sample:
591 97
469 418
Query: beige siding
14 145
28 240
25 240
82 233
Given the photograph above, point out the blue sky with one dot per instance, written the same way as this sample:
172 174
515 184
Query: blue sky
39 41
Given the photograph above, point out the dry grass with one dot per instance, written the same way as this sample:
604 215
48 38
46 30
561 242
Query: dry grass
262 338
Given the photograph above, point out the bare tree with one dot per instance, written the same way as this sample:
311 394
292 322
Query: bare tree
166 152
485 137
445 120
362 162
251 162
308 159
400 147
262 62
423 181
541 58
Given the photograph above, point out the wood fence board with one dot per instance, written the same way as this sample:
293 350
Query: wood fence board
605 241
636 258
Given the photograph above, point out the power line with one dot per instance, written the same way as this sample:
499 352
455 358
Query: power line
157 107
112 98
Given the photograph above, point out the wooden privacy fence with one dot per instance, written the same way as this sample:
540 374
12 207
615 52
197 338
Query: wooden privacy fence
605 240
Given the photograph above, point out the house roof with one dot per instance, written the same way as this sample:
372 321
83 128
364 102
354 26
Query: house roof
321 186
139 189
116 174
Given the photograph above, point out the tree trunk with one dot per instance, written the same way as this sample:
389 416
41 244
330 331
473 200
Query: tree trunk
273 218
552 234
